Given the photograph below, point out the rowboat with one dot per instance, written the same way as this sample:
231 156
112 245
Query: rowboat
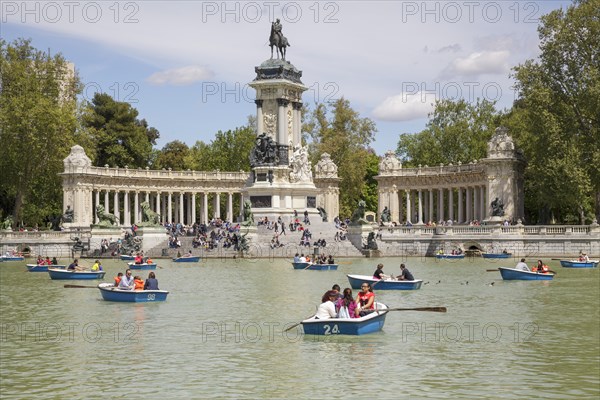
66 274
12 258
43 268
370 323
496 255
450 256
579 264
143 266
111 293
357 280
187 259
125 257
511 274
315 267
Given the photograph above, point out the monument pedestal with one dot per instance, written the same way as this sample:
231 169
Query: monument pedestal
358 234
494 221
100 233
152 236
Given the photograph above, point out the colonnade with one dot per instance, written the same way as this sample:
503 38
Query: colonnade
461 204
177 207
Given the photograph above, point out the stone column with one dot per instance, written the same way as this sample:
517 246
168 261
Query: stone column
136 207
282 125
441 204
241 206
96 205
483 204
468 206
181 209
259 117
296 124
451 204
395 205
193 208
431 217
116 207
170 207
217 205
420 222
408 207
158 207
205 208
459 205
106 201
230 207
126 209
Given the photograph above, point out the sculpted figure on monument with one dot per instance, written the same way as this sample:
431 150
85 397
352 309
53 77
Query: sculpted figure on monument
497 208
277 39
385 215
358 217
264 151
149 217
104 218
301 171
69 215
248 216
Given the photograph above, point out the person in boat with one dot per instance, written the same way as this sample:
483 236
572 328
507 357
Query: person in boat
521 266
405 274
189 254
48 262
118 279
138 259
330 260
346 305
326 309
151 283
54 261
148 260
338 290
40 261
378 274
365 300
74 266
126 281
584 257
97 266
302 258
138 283
297 258
541 268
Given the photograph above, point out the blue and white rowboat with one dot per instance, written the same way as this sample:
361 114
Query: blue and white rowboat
357 280
189 259
496 255
449 256
511 274
111 293
144 266
66 274
125 257
315 267
12 258
579 264
43 268
370 323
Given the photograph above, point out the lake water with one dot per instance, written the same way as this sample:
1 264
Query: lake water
220 335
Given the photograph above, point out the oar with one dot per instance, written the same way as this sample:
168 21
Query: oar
295 325
492 270
81 287
552 272
434 309
309 265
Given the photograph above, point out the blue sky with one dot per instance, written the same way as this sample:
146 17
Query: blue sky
185 65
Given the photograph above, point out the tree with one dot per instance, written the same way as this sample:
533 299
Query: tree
37 128
456 131
558 114
227 152
121 139
173 155
341 132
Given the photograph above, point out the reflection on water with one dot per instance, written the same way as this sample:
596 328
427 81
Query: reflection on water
221 333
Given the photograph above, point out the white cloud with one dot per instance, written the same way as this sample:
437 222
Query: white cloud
480 63
405 106
181 76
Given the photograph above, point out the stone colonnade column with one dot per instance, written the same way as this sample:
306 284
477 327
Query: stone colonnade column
282 140
259 117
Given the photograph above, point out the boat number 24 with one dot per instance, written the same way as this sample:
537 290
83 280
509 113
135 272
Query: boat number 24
331 330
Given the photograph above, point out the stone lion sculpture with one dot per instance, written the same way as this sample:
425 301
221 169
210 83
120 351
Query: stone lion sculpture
104 218
358 217
149 217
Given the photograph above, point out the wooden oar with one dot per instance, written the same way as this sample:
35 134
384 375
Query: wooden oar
81 287
309 265
295 325
492 270
434 309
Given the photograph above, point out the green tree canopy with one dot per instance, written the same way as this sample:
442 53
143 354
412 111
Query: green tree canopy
120 138
456 131
173 155
227 152
339 130
557 115
37 129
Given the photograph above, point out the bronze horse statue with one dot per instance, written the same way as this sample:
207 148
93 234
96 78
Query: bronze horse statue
278 40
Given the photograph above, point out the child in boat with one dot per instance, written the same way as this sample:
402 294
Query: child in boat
118 279
138 283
